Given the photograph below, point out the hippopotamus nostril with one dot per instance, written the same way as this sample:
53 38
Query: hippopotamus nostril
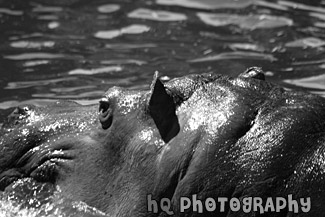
105 113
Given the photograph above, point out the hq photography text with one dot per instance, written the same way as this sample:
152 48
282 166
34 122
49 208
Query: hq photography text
223 204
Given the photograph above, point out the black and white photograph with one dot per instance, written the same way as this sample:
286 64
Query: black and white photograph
158 108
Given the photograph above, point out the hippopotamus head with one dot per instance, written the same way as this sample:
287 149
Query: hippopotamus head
205 135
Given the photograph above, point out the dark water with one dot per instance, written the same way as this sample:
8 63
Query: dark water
77 49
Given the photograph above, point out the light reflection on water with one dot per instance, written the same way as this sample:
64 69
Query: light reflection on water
76 44
70 49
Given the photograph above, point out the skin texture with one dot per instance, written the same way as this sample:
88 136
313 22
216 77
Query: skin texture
209 135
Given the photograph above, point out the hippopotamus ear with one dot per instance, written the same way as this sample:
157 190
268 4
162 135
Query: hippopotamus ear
162 109
253 72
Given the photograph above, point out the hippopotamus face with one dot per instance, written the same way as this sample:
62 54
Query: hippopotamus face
96 157
205 135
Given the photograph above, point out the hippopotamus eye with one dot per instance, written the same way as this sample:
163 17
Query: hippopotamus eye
105 113
253 72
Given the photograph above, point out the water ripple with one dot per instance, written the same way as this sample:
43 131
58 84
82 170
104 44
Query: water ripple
306 42
26 84
300 6
235 55
119 46
32 44
108 8
29 56
143 13
313 82
208 4
132 29
250 22
11 12
272 5
124 61
42 9
107 69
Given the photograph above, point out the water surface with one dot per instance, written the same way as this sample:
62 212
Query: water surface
73 49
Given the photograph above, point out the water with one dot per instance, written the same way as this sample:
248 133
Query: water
77 49
74 49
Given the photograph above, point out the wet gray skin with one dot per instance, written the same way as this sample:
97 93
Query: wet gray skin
209 135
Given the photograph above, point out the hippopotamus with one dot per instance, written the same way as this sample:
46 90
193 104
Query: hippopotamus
198 145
